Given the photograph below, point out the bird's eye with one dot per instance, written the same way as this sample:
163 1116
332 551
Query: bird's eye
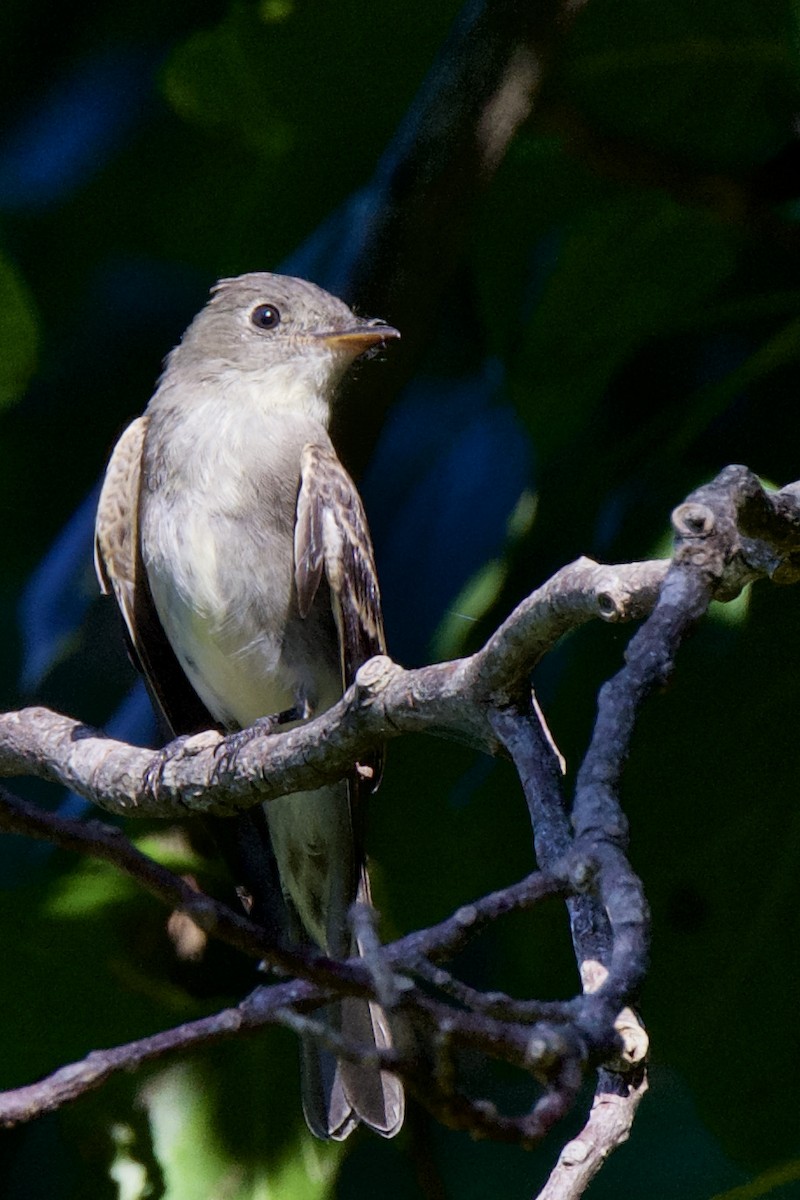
265 316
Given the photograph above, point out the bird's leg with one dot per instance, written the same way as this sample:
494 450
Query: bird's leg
228 749
184 746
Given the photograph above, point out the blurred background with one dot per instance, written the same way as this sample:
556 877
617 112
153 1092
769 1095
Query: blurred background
595 321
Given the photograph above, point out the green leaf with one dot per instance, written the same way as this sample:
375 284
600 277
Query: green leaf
216 79
195 1163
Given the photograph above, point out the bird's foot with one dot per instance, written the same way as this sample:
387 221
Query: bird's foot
229 749
185 746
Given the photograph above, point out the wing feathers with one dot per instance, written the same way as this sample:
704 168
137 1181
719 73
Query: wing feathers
118 562
116 526
331 533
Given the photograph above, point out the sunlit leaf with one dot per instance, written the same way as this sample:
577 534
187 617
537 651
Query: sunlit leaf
195 1163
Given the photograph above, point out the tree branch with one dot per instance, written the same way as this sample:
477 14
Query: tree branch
447 699
607 1128
728 533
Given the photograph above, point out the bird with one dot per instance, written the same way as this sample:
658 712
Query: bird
237 548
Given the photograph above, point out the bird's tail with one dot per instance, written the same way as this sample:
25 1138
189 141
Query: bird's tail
338 1095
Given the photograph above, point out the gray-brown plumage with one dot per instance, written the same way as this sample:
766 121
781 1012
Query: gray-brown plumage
237 548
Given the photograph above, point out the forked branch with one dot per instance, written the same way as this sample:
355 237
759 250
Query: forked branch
728 534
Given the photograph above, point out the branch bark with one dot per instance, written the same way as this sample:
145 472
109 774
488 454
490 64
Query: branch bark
448 699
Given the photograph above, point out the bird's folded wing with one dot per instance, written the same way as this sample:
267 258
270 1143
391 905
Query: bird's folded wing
332 537
116 526
118 562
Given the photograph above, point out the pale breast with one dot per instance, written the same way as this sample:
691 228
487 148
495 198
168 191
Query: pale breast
217 540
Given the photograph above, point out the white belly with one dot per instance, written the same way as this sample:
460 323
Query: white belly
225 620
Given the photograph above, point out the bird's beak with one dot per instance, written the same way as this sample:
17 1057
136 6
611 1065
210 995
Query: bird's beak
357 340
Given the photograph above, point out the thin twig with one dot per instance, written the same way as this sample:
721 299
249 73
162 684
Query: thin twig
442 940
607 1127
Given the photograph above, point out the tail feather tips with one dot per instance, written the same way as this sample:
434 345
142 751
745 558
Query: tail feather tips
339 1095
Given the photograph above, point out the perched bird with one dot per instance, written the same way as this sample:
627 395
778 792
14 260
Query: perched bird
237 548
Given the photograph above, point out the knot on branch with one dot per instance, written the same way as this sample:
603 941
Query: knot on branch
609 607
749 531
635 1042
693 520
581 872
374 677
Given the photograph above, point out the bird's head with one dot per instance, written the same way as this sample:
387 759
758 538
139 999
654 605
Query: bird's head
263 324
